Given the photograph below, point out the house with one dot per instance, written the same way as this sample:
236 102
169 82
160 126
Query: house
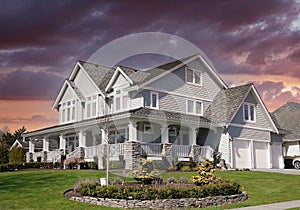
288 119
177 110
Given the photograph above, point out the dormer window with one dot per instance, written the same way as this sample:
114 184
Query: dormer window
249 112
91 106
193 76
154 100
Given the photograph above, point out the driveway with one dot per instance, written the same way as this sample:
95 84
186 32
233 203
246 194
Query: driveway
283 171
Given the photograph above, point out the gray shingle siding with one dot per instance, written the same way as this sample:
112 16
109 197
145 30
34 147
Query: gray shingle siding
261 117
250 134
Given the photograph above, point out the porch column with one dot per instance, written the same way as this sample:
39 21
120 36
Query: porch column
251 153
104 136
82 139
270 154
46 144
132 131
31 147
62 142
164 134
193 136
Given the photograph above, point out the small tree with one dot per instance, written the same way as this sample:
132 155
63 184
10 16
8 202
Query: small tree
17 155
3 155
206 174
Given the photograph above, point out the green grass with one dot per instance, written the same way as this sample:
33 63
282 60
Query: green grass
42 189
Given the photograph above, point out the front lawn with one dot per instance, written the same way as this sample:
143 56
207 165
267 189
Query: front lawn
42 189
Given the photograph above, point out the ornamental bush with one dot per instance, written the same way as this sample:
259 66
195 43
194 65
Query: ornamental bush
16 155
145 173
162 192
206 175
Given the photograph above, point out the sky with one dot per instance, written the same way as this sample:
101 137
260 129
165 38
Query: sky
40 41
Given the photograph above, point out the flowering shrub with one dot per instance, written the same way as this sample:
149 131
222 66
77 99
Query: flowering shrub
145 173
206 174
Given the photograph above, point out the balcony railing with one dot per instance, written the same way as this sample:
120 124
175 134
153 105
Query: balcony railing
151 149
181 150
116 149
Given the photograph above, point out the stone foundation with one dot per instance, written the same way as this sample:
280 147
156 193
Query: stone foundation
164 203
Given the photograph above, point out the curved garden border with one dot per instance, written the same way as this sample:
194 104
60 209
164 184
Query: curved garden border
162 203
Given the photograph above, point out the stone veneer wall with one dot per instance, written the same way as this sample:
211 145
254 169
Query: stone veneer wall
164 203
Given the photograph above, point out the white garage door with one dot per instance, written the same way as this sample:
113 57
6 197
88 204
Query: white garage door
261 155
276 155
242 155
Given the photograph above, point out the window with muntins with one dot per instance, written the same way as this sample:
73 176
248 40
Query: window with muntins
68 111
194 107
193 76
154 100
91 106
249 112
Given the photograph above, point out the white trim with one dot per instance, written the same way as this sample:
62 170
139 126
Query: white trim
115 76
175 94
194 107
157 100
147 131
247 126
93 83
260 102
249 105
62 92
185 63
193 71
265 109
254 140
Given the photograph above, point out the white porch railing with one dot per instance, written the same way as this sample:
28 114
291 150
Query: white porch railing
51 155
91 152
116 149
181 150
207 152
57 157
151 149
72 154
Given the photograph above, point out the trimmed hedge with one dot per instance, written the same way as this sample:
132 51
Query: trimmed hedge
164 192
19 166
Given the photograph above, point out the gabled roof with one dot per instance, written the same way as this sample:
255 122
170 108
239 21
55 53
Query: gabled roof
73 87
100 75
115 76
160 71
227 103
288 118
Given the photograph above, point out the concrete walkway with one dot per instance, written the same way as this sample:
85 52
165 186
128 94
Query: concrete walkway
281 206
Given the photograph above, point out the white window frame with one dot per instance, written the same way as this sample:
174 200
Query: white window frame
194 111
249 105
156 94
150 130
91 102
194 72
174 129
68 111
119 93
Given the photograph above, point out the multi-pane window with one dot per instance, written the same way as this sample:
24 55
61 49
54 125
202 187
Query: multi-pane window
91 106
121 100
194 107
154 100
249 112
193 76
68 111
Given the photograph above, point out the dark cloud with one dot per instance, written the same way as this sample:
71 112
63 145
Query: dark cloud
29 85
52 35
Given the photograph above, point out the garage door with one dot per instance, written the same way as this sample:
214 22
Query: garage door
261 155
242 155
276 155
